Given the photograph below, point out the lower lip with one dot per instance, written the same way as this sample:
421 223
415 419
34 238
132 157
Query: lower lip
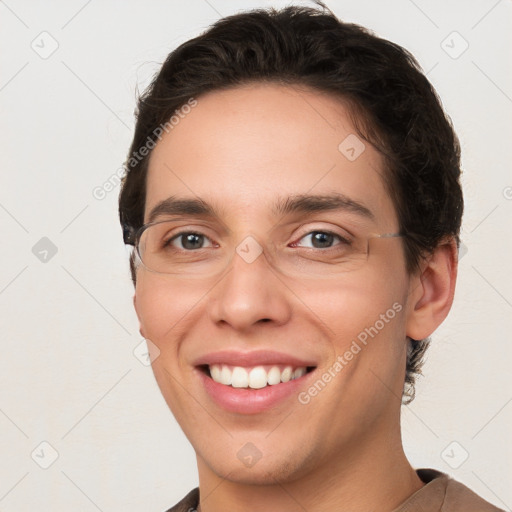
251 401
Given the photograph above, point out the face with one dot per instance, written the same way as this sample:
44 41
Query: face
278 305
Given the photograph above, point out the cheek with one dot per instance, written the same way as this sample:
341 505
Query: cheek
165 309
366 321
355 303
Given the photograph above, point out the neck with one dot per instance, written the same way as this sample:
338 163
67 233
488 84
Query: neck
374 475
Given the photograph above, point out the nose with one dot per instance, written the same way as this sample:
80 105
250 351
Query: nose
249 293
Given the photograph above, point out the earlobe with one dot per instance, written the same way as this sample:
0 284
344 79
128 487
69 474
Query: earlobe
432 292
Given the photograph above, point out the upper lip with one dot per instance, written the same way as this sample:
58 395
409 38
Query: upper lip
252 358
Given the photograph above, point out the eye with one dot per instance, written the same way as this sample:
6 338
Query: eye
323 239
188 241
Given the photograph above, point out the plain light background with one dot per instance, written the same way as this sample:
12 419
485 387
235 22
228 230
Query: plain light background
70 377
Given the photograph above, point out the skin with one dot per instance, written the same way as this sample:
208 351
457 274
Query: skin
239 150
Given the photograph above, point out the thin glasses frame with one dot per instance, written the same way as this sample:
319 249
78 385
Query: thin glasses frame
299 265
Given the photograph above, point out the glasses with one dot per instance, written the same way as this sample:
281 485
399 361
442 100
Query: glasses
165 247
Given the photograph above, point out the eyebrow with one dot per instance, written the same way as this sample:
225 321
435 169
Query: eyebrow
176 206
297 203
307 203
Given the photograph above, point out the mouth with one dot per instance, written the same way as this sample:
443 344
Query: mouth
256 377
253 382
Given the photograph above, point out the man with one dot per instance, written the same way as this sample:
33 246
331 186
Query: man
293 198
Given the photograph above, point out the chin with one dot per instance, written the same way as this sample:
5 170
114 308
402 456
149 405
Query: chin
266 470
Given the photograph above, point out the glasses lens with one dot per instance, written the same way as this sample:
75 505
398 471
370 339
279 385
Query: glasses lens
303 262
338 259
165 249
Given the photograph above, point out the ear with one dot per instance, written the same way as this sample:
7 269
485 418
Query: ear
432 290
141 330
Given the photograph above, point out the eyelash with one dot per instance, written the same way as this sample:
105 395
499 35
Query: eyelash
341 238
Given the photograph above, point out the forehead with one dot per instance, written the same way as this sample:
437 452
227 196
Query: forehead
241 148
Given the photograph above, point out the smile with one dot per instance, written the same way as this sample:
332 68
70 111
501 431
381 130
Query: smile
257 377
253 382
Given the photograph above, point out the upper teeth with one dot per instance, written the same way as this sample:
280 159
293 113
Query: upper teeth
256 378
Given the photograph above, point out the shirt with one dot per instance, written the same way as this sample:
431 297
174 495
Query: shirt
441 493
